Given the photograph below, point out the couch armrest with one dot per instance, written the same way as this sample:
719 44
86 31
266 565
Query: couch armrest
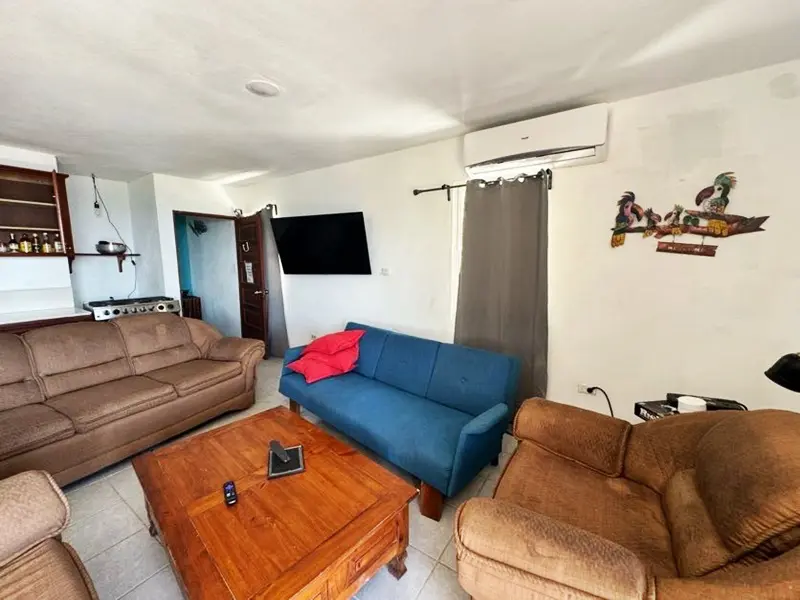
479 442
506 551
244 350
291 355
594 440
32 509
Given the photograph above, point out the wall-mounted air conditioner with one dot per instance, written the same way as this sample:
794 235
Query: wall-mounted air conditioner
565 139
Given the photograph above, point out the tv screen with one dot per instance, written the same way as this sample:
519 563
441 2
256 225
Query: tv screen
334 244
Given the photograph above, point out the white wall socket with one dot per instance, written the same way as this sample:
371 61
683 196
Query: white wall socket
583 388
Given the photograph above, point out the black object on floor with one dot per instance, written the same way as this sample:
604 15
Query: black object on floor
229 493
295 464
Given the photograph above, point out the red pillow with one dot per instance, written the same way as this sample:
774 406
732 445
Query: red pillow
315 366
334 342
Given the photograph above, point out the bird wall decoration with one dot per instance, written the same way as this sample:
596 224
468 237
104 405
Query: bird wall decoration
713 203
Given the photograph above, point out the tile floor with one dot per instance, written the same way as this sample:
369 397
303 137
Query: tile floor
108 527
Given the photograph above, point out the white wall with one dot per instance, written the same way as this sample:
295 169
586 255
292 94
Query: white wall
215 280
178 193
409 235
146 239
99 278
32 283
641 323
636 322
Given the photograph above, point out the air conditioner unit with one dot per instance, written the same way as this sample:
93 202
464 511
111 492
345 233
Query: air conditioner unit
565 139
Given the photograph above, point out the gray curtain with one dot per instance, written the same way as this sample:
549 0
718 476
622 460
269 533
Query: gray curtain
502 292
276 319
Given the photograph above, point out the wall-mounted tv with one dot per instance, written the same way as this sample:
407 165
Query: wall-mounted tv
334 244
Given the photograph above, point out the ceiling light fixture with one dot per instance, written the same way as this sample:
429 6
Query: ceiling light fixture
263 88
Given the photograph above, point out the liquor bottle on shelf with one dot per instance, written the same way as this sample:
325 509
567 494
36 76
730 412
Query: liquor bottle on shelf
47 247
3 247
25 244
13 246
58 247
36 246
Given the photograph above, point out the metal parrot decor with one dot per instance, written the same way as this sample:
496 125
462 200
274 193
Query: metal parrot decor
710 220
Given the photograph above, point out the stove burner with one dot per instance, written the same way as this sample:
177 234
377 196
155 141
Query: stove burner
103 310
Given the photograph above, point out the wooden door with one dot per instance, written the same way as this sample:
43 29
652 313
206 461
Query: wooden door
252 282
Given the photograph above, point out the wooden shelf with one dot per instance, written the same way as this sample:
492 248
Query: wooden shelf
32 255
29 202
31 229
120 257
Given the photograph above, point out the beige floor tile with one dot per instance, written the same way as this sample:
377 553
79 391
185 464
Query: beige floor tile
121 568
509 444
383 586
101 531
488 486
443 585
88 500
472 489
161 586
448 557
427 535
127 485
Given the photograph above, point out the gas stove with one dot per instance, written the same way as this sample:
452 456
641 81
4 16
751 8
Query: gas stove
104 310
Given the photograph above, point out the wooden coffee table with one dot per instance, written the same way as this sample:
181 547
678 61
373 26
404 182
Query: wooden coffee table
318 535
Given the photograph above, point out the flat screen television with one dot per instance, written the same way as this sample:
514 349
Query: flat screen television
334 244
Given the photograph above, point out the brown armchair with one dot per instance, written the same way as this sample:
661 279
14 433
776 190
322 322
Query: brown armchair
34 563
698 506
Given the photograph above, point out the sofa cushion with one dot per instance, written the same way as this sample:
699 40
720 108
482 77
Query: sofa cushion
315 366
472 380
188 377
696 545
616 509
335 342
748 475
17 385
47 572
100 404
77 355
413 433
407 363
31 426
369 348
155 341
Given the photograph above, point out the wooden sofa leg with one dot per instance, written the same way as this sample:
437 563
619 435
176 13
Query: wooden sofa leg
294 406
431 501
496 461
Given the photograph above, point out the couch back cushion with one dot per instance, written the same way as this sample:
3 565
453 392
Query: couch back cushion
370 348
156 341
17 385
406 363
748 475
472 380
77 355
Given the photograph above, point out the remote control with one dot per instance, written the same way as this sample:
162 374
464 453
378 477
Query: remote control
229 493
278 451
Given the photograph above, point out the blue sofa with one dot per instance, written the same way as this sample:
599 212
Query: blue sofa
435 410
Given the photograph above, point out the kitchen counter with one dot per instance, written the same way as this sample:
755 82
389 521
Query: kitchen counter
19 322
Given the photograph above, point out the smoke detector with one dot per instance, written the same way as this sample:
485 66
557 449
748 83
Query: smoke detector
263 88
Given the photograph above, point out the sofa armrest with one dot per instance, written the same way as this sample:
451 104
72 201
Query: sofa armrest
32 509
594 440
506 551
479 442
244 350
291 355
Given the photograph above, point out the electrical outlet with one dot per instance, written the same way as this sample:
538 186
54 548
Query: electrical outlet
313 336
583 388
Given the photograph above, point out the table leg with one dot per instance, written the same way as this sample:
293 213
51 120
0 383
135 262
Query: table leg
397 566
153 530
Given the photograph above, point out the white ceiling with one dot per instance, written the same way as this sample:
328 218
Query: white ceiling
123 87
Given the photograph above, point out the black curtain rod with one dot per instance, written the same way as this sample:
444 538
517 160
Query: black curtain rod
547 174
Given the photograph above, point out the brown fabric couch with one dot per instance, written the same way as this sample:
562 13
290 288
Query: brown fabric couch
34 563
75 398
697 506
